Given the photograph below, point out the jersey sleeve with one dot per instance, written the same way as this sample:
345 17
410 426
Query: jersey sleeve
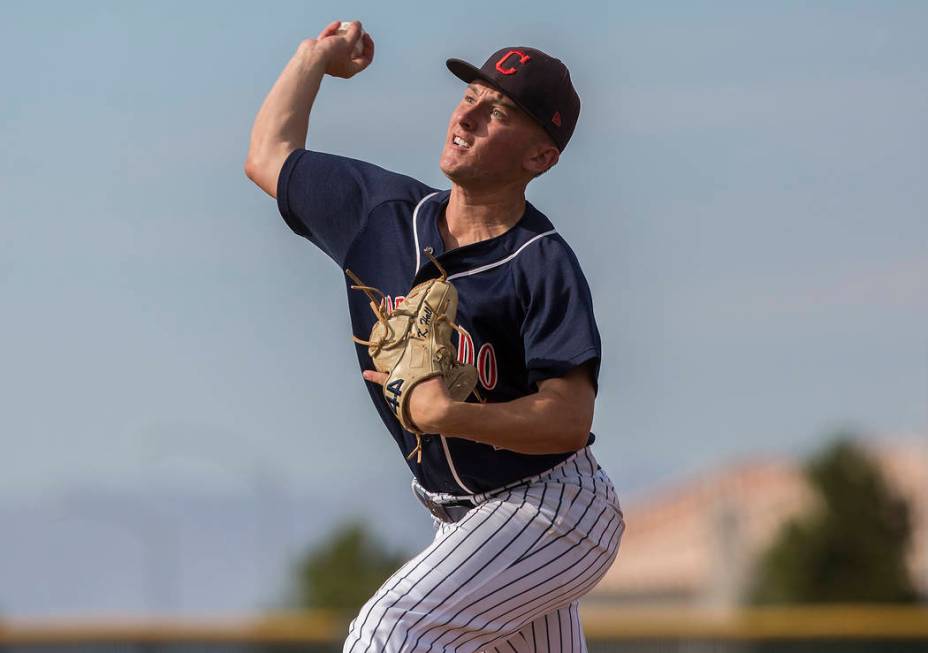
328 198
559 329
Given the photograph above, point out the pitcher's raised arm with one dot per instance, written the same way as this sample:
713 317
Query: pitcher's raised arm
282 122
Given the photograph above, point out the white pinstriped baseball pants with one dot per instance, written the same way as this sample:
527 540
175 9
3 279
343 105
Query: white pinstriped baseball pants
508 576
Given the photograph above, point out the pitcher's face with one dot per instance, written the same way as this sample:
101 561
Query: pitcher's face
490 140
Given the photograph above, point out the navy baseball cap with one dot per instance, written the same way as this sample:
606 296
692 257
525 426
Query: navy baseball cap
537 82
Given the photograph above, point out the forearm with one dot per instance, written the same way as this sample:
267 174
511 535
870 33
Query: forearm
282 123
535 424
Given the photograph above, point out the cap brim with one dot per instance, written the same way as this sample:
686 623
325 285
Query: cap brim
467 73
463 70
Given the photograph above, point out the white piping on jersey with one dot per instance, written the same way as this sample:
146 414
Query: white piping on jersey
415 227
489 266
482 268
454 472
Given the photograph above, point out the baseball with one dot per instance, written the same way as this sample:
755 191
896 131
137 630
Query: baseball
359 46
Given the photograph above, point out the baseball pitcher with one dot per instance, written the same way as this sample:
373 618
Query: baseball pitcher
475 333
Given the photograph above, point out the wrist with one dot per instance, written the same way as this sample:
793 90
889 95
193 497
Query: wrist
432 418
311 51
448 416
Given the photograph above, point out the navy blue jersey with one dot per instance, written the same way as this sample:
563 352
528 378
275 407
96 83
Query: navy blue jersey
523 300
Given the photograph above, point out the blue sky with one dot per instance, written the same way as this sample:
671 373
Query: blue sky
746 191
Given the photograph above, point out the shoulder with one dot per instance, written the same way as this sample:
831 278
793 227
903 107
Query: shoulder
333 172
552 249
547 258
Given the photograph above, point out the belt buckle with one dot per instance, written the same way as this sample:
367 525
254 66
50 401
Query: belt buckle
437 511
448 514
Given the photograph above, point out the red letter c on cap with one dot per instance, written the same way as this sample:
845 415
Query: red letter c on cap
502 60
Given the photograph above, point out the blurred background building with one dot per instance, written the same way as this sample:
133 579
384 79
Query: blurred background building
696 543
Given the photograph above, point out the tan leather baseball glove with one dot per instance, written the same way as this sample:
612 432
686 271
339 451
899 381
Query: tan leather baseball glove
412 343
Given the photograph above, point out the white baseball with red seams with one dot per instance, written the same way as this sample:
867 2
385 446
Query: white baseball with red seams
359 46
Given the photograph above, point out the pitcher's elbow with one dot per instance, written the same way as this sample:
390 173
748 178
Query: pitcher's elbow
261 175
251 168
578 440
580 427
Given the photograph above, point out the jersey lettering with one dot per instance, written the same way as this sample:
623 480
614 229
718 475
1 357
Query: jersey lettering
486 366
465 347
484 361
390 304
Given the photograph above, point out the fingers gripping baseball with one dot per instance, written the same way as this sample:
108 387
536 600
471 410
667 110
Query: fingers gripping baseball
348 48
